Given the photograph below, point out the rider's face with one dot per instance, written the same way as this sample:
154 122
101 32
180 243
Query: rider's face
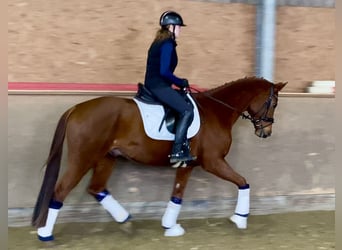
177 30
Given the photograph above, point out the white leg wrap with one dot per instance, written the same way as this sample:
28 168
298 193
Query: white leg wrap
242 209
242 206
171 214
46 231
114 208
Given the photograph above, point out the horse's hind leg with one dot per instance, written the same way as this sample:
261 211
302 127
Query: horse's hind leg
97 188
222 169
169 219
69 180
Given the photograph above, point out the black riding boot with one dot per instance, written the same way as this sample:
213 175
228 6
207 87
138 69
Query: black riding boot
180 149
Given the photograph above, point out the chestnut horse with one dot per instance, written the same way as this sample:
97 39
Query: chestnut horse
100 129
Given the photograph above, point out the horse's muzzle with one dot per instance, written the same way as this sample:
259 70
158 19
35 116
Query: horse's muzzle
263 132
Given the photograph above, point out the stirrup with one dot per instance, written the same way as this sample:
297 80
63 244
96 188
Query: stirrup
180 156
181 164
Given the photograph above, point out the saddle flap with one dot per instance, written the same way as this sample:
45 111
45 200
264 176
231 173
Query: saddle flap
153 115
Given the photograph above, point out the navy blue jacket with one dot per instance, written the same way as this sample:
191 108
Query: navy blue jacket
161 63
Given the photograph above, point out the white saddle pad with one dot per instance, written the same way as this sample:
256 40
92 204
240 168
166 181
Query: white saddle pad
152 115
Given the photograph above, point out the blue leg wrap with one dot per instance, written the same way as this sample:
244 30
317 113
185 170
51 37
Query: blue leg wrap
55 204
48 238
244 187
100 196
176 200
242 215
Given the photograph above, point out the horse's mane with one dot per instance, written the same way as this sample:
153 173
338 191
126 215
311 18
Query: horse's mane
246 79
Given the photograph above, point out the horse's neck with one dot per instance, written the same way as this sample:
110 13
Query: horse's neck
237 95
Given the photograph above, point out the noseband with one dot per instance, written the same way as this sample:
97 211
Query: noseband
256 119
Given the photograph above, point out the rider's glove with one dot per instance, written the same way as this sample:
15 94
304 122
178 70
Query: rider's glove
185 83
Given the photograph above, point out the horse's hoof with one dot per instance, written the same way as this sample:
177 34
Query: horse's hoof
127 227
176 230
240 222
46 238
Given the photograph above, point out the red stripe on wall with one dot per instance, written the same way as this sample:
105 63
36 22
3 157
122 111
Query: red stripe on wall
72 86
101 87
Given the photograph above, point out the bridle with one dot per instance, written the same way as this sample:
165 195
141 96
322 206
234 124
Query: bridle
255 119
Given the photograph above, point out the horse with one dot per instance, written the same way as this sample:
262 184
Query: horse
99 130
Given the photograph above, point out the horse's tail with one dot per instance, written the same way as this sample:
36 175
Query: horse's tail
51 173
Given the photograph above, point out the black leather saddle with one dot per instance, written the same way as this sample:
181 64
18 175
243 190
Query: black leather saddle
145 95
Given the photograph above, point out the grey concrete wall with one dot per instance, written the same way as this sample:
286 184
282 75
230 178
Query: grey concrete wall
290 171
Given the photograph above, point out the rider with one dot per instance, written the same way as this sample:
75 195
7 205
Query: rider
161 62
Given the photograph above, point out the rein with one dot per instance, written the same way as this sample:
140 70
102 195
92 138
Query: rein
221 102
254 120
216 100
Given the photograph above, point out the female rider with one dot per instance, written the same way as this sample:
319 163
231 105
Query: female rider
161 63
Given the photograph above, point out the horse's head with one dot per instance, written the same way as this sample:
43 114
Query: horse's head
261 110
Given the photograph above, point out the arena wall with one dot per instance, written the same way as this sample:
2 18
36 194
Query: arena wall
106 42
290 171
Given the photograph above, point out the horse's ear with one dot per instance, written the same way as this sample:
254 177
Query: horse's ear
280 85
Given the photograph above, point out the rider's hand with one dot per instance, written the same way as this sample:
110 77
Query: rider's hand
186 90
185 83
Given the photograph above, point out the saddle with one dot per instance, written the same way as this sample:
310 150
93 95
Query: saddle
170 116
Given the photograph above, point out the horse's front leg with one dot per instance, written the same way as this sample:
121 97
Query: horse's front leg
222 169
169 219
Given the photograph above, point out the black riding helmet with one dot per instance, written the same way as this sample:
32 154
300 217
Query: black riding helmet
171 17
